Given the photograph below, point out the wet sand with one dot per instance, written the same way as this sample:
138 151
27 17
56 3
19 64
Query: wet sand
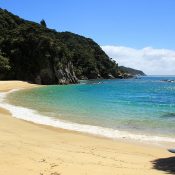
31 149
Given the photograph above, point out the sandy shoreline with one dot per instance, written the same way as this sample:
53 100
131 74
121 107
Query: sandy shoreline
31 149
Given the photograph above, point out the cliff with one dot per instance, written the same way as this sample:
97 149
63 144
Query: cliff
31 52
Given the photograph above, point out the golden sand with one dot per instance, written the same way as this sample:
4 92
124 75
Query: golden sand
30 149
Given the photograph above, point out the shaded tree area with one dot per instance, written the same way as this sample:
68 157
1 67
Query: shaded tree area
89 59
30 51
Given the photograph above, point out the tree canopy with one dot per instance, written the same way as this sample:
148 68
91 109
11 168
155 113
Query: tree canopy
34 53
43 23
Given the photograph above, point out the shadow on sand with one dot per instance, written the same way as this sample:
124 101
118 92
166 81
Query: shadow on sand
165 164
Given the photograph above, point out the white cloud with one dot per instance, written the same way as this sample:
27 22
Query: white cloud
149 60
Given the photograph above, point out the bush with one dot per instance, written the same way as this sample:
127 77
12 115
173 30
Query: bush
4 64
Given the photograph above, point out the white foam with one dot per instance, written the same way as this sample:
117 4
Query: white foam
33 116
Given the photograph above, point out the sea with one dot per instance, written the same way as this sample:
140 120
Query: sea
141 108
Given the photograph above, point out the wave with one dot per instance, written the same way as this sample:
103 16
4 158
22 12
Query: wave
35 117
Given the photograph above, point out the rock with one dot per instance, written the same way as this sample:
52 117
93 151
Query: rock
66 75
169 81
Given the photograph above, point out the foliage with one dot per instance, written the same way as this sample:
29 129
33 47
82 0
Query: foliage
43 23
131 71
4 64
41 55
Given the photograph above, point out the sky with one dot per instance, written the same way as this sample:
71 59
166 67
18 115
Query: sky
136 33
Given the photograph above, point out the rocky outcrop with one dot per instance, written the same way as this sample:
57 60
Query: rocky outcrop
66 74
32 52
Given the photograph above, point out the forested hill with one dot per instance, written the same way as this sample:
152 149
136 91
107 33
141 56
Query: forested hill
31 52
131 71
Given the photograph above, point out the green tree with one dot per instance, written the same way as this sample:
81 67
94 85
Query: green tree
4 64
43 23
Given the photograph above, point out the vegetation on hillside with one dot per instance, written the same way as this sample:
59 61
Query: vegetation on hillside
131 71
30 51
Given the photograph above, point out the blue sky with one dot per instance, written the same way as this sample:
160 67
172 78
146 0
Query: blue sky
135 24
132 23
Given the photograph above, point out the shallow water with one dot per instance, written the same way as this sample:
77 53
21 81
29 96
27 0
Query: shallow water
143 106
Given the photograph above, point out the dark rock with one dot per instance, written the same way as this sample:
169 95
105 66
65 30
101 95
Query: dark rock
66 74
169 81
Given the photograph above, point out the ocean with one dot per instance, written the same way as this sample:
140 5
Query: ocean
139 109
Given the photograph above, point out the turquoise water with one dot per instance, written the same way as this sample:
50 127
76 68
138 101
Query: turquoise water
145 105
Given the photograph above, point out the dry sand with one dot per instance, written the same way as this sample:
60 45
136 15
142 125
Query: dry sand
9 85
30 149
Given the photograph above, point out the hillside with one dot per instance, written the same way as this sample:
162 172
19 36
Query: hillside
131 71
31 52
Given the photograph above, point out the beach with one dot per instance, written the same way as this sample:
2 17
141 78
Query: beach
32 149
